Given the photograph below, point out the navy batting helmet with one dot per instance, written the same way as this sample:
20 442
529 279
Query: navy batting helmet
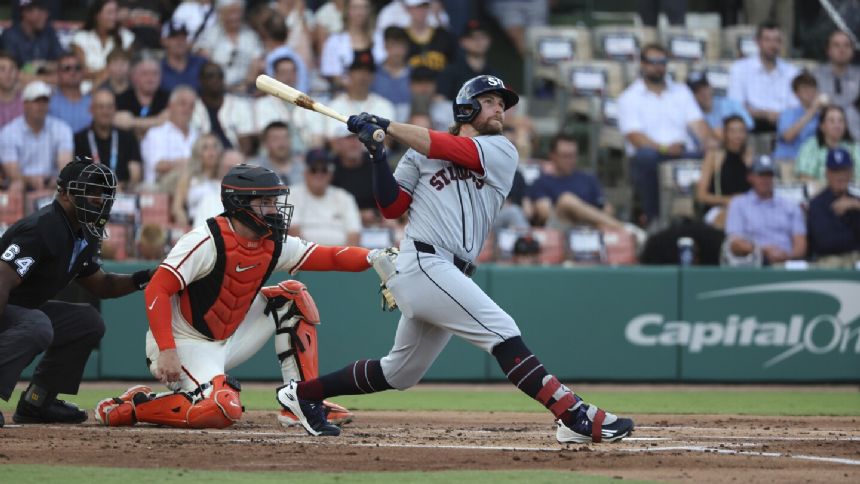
244 183
466 107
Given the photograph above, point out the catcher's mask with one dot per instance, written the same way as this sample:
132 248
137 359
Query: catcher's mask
92 187
271 215
466 107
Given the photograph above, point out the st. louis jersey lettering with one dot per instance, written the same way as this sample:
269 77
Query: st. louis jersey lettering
444 177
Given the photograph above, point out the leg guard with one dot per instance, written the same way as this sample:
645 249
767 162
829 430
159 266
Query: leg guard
215 405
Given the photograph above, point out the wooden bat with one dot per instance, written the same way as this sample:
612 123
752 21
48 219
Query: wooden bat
292 95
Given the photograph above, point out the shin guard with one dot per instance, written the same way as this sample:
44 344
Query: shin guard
216 406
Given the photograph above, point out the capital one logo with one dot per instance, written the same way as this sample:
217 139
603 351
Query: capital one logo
819 334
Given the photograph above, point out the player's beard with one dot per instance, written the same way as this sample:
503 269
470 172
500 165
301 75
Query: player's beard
488 127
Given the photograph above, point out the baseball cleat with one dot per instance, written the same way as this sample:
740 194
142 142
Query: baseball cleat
591 424
310 413
56 411
334 413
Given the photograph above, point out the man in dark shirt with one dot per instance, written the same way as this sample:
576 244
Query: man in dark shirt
475 42
142 106
179 65
834 216
33 38
41 254
104 143
354 173
431 47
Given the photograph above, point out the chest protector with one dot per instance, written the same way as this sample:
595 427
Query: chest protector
217 303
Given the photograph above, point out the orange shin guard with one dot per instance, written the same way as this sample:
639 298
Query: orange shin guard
220 409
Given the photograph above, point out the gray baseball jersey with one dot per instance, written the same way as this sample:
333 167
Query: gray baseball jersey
453 210
452 207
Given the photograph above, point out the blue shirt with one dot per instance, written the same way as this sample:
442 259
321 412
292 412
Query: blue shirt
170 77
765 221
830 234
583 185
45 46
395 90
785 150
76 114
724 107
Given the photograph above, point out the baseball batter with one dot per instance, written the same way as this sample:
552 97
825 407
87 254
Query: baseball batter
453 186
208 311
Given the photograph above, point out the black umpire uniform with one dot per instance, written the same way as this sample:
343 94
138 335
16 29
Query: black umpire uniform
41 254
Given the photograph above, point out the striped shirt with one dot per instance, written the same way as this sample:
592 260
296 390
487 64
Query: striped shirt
765 221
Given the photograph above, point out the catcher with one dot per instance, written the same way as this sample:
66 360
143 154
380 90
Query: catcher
208 311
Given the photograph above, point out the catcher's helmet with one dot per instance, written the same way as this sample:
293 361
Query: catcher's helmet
92 187
466 107
242 184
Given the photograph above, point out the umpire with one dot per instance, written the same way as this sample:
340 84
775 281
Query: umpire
41 254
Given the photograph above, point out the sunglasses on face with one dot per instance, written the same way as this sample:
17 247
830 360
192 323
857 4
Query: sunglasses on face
660 61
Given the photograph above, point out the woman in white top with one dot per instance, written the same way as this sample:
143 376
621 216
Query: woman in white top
100 34
299 21
328 20
196 178
357 36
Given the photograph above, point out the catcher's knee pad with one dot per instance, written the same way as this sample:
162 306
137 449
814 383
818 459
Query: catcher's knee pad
296 316
219 409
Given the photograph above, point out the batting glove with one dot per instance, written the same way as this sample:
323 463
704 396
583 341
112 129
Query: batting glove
375 148
356 122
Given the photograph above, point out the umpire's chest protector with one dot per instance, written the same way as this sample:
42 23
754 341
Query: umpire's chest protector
217 303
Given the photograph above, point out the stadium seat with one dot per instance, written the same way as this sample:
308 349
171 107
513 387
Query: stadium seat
717 73
154 208
677 181
37 199
621 42
11 205
691 44
584 245
552 245
620 246
738 41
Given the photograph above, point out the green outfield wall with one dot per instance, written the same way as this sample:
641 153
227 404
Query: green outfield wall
599 324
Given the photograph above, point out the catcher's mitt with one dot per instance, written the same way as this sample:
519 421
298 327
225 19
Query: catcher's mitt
383 262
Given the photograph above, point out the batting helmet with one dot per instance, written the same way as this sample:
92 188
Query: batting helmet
92 187
242 184
466 107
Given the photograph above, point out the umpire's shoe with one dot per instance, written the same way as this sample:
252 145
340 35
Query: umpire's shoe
591 424
311 414
55 411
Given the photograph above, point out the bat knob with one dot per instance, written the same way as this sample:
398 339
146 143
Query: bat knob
379 136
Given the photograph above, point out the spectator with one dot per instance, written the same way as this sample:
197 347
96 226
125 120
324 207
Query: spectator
834 216
325 214
675 10
760 227
568 195
799 123
205 198
715 108
431 47
68 103
35 146
117 69
144 19
168 146
517 209
724 172
179 66
232 44
775 12
269 109
840 80
654 115
356 39
275 44
99 36
196 16
152 242
278 153
11 104
475 42
201 171
142 105
392 76
395 14
762 83
832 133
104 143
422 90
297 19
227 116
353 172
32 40
328 20
517 15
358 97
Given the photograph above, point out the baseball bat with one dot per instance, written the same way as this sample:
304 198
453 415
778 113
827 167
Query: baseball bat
292 95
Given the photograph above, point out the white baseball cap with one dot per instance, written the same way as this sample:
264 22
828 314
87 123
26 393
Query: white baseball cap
229 3
415 3
35 90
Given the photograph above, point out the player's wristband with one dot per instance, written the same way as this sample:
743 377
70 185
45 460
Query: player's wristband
141 278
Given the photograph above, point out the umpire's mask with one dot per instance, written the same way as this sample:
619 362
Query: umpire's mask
92 187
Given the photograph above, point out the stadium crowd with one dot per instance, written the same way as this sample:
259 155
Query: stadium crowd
163 92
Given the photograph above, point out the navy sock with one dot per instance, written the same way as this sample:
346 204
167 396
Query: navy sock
363 376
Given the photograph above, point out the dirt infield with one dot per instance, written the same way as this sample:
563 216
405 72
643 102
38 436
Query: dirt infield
666 448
